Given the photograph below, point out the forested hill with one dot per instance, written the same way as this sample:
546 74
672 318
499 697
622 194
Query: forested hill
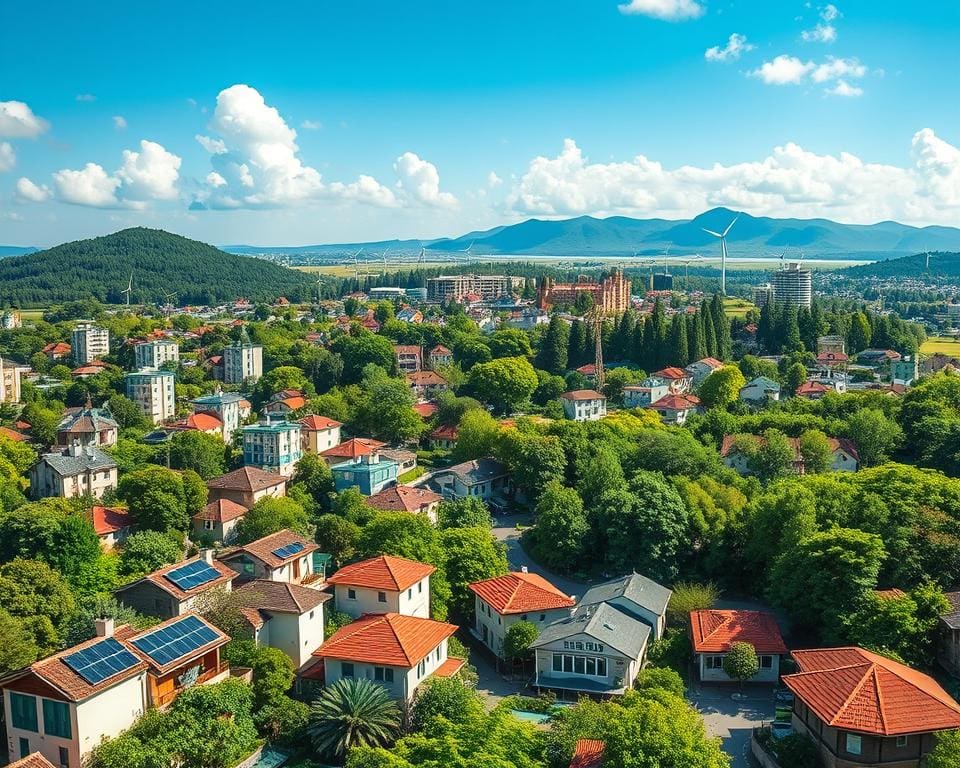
161 264
942 264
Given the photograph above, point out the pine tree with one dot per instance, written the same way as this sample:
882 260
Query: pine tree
721 327
696 344
709 334
658 346
622 341
637 351
553 351
678 342
577 344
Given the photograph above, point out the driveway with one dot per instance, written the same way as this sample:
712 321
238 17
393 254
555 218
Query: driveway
733 720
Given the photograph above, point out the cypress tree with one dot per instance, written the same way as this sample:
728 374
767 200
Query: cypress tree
660 336
553 352
709 335
622 341
637 350
721 327
678 342
696 344
577 344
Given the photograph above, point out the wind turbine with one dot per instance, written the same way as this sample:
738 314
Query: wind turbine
467 252
129 289
356 267
723 252
423 253
927 252
318 282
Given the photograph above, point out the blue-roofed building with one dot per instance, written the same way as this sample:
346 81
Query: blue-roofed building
273 445
371 474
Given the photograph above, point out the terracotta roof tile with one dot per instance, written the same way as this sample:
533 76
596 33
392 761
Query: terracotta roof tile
672 373
382 572
221 511
33 760
386 638
12 434
426 410
314 422
715 631
354 448
854 689
450 667
202 421
109 519
280 596
426 378
263 549
588 754
583 394
445 432
246 479
676 403
403 498
515 593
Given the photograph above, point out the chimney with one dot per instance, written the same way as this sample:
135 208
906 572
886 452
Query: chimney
103 627
207 556
524 569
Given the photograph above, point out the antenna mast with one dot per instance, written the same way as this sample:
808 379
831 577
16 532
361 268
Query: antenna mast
599 374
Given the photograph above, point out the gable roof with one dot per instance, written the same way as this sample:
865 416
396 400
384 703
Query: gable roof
33 760
280 597
856 690
403 498
12 434
219 639
588 753
714 631
638 589
384 572
354 448
520 592
445 432
583 394
203 421
426 410
246 479
477 471
812 388
386 638
108 520
439 351
87 420
89 459
952 617
676 403
159 578
221 511
425 378
710 362
602 622
314 422
672 372
263 549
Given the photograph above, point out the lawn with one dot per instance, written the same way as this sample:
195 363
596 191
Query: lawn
32 314
737 307
942 344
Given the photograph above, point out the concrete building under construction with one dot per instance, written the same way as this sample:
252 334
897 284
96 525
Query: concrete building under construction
612 294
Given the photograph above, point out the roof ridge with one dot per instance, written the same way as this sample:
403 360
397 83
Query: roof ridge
856 689
951 704
389 619
875 669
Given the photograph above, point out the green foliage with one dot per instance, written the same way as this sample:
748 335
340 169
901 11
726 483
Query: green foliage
146 551
204 454
477 434
504 383
472 554
552 356
469 512
157 499
518 639
284 722
362 350
946 753
816 452
688 597
314 474
664 679
445 697
273 671
352 713
797 750
337 536
386 412
533 459
335 620
875 435
722 387
33 591
269 515
561 531
741 662
18 646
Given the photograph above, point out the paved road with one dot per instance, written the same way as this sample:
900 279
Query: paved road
733 720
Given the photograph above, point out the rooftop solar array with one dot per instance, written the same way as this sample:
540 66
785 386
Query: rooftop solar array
191 575
101 660
176 640
289 550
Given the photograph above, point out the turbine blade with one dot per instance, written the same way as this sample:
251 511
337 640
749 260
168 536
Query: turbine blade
730 225
711 232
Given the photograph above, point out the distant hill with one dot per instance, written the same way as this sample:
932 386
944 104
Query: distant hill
15 250
942 265
751 236
160 262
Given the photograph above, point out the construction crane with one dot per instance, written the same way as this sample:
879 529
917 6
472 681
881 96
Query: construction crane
595 317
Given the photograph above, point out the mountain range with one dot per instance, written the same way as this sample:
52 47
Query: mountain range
751 236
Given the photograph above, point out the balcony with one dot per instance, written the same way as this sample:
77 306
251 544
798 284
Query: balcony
214 675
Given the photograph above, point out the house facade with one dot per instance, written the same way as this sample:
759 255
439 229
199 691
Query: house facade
712 632
154 353
484 479
700 369
383 584
88 426
440 356
218 520
89 342
242 361
426 384
111 524
646 392
844 456
177 589
272 445
676 409
282 556
371 474
679 380
760 390
246 486
225 406
318 433
409 358
351 450
636 596
404 498
584 405
152 390
74 471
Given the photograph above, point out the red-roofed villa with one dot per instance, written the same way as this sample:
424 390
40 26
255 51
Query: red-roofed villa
712 632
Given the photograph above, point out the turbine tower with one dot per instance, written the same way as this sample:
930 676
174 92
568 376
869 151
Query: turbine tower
128 290
723 252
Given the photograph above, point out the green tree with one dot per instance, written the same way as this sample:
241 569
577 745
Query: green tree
35 593
795 376
127 413
337 536
688 597
875 435
273 671
533 459
18 646
204 454
469 512
445 697
510 342
722 387
946 752
362 350
352 713
858 337
770 458
815 451
561 531
314 474
741 662
387 410
269 515
554 347
477 433
504 383
473 554
146 551
156 499
518 639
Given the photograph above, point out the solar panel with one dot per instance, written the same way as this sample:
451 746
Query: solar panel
175 640
100 661
191 575
289 550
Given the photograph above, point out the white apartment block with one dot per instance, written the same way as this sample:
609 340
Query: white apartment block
89 342
273 445
10 377
153 391
242 362
153 354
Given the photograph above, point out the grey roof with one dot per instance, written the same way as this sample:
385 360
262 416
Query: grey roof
602 622
638 589
952 617
89 458
478 470
218 398
87 420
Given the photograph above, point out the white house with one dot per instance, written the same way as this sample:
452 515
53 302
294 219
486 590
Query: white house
584 405
712 632
760 390
285 616
700 369
398 652
383 584
636 596
505 600
73 471
88 426
675 409
273 445
225 406
281 556
648 391
156 352
242 361
318 433
218 520
246 486
679 380
11 376
152 390
484 479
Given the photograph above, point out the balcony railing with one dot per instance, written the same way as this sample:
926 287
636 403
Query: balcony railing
202 679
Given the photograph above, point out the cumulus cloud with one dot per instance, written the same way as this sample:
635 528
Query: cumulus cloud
835 69
17 121
824 31
7 158
493 180
421 180
119 122
667 10
783 70
150 174
213 146
791 181
28 192
790 70
843 88
736 45
91 186
365 189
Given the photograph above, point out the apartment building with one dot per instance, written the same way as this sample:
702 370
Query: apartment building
152 390
89 342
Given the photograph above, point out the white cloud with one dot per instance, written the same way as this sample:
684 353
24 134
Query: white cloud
311 125
829 13
789 182
86 97
150 174
17 121
736 45
7 158
213 146
493 180
28 192
421 180
214 179
843 88
667 10
91 186
365 189
119 122
835 69
783 70
824 31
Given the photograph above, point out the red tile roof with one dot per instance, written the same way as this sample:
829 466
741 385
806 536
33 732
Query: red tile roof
440 351
812 388
403 498
108 520
672 372
406 349
354 448
12 434
386 638
382 572
890 594
445 432
426 410
856 690
293 403
33 760
221 511
58 348
676 403
832 357
712 362
583 394
715 631
520 593
263 549
587 370
426 378
450 667
246 479
202 421
314 423
588 754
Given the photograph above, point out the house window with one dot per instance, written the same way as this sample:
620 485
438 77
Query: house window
420 588
24 747
766 662
24 713
543 617
410 594
714 662
64 757
381 597
579 664
346 669
902 741
523 618
558 662
854 744
56 719
383 674
351 594
311 614
208 525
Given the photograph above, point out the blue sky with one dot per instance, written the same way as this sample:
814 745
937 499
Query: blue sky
341 121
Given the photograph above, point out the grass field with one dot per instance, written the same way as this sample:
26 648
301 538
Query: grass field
737 307
32 314
942 344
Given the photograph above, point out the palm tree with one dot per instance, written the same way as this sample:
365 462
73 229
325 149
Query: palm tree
352 712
